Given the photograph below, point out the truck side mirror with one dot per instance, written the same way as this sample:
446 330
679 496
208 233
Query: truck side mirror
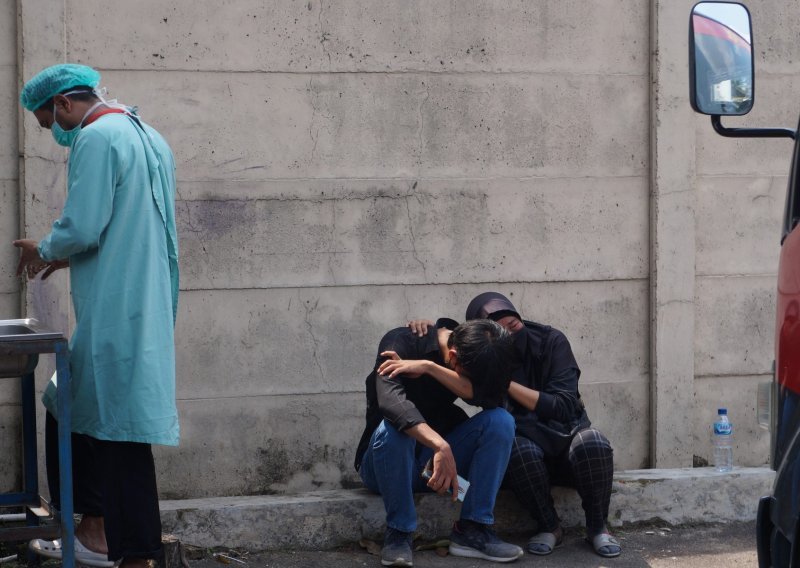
721 78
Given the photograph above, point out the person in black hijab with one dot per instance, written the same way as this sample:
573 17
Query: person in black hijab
555 443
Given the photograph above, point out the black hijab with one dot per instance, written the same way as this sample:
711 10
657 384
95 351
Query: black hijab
492 305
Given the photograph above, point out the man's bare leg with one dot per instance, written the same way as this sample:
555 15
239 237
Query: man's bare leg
92 533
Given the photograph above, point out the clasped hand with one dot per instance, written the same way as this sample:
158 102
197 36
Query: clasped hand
31 264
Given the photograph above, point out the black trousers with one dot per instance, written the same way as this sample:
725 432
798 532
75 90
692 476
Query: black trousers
588 466
114 480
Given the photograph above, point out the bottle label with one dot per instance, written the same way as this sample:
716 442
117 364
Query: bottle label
722 429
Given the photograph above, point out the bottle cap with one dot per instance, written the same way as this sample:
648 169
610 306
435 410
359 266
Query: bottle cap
723 411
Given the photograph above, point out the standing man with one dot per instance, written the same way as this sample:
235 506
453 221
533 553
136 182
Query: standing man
117 235
413 426
555 443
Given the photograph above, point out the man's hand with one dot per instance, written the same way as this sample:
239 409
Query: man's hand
394 366
419 327
444 474
29 260
53 266
443 470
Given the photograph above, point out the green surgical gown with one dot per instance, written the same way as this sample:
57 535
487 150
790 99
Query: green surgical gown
118 230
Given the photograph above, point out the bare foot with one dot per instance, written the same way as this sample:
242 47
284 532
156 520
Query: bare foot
92 533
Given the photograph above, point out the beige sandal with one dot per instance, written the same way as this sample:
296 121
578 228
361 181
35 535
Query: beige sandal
605 545
52 549
544 543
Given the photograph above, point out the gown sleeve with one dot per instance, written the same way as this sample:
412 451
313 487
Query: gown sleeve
90 196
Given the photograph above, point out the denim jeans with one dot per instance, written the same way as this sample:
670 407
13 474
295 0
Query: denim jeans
481 447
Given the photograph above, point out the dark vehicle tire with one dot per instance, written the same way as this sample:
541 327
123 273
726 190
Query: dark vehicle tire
764 530
781 550
774 549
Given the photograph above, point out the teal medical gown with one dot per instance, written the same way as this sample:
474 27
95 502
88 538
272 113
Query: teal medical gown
118 230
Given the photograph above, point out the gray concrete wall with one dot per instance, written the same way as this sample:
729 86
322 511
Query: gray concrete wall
10 430
343 167
672 240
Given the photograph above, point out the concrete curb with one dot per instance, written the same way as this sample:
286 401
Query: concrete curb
325 519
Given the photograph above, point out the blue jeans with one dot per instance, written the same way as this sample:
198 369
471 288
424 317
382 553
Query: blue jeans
481 447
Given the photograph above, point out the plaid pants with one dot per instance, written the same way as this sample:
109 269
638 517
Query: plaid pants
588 466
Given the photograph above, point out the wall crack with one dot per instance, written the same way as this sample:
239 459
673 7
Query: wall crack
414 251
309 326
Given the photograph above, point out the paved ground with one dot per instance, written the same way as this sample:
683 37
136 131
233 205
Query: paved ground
708 546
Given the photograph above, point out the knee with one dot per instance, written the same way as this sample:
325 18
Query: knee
591 441
498 421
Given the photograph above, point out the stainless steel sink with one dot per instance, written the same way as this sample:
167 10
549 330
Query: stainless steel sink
20 330
25 330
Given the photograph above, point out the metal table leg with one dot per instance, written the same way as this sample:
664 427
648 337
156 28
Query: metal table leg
65 454
30 483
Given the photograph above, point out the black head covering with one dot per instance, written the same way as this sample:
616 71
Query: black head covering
492 305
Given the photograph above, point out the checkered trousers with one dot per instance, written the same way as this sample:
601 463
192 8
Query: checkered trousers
588 466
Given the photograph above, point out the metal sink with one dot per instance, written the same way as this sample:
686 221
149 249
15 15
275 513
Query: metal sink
25 330
20 330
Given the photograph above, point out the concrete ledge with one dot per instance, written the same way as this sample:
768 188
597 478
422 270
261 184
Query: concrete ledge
325 519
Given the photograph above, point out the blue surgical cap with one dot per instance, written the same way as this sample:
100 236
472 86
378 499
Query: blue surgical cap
56 79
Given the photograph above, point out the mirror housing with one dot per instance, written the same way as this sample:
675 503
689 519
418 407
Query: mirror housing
721 71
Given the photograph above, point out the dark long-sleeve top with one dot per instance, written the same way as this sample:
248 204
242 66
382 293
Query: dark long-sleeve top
405 402
548 366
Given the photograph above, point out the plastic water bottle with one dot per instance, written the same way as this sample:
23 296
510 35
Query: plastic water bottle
723 442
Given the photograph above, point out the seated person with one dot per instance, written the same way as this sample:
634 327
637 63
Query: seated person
414 425
555 443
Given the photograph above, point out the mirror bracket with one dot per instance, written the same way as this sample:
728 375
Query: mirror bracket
751 132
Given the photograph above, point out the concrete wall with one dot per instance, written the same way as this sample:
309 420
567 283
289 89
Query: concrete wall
343 167
10 428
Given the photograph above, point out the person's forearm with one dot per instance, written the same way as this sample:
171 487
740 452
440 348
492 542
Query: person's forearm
444 475
525 396
427 436
455 383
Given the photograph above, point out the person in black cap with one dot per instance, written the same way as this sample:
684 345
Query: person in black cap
554 443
